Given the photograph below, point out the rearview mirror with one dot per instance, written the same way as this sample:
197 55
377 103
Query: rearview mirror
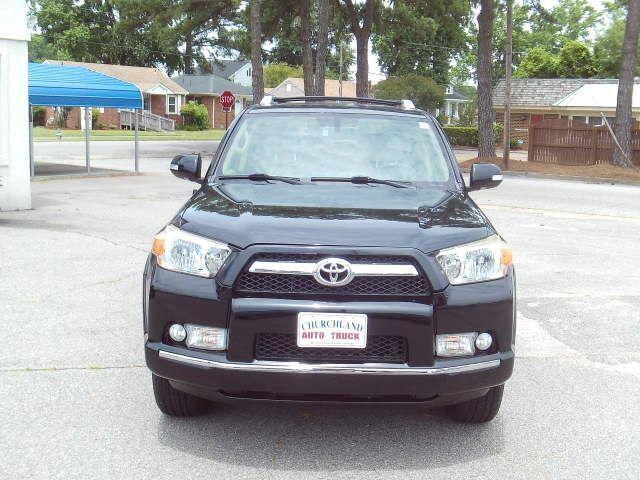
484 175
187 166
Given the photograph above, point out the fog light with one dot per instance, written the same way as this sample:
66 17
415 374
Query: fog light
209 338
484 341
177 332
455 344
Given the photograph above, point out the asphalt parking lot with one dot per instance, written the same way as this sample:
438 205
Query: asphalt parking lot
77 400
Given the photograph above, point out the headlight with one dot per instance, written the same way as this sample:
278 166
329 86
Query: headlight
188 253
486 259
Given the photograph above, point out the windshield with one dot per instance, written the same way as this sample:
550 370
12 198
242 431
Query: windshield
403 148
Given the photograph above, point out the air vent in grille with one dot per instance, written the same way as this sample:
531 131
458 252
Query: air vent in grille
305 284
283 347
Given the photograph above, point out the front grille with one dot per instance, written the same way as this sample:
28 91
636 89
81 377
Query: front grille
305 284
283 347
269 283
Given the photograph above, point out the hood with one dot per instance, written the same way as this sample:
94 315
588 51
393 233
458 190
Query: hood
334 214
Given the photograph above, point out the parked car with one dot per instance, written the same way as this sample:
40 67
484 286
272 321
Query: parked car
331 253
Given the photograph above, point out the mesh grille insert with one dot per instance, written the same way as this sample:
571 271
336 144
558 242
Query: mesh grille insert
306 284
283 347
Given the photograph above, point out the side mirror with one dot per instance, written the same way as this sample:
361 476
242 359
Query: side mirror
187 166
484 175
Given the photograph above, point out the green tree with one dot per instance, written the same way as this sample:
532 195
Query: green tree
576 61
280 23
276 73
538 63
607 48
108 31
40 50
131 32
567 20
424 92
421 37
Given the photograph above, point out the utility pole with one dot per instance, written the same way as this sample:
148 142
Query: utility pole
507 85
340 75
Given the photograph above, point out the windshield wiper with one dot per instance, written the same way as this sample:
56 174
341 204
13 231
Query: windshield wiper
359 180
261 177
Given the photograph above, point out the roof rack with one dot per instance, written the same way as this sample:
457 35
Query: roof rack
268 100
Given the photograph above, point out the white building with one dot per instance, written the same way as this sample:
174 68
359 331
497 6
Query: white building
15 186
236 71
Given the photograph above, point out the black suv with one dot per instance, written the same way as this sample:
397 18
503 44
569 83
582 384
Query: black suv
331 253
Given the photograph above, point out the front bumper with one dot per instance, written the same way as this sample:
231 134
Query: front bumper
212 376
235 374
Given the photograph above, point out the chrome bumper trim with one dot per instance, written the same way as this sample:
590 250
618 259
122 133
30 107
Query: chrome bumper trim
358 269
296 367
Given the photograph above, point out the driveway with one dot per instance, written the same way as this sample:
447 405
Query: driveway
154 156
77 401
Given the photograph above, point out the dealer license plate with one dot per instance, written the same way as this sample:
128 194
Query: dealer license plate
332 330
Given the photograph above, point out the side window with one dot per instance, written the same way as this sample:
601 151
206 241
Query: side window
172 104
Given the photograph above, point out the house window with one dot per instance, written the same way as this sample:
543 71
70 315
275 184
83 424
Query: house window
448 90
173 104
146 102
249 72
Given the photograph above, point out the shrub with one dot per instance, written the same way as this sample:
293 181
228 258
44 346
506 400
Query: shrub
195 116
465 136
95 117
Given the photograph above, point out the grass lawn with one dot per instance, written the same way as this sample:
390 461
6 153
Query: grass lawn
41 134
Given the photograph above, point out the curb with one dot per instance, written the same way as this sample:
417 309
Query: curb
76 176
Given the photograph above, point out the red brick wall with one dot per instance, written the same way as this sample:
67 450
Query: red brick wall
158 105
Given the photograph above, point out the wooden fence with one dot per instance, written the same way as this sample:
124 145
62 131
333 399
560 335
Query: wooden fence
567 142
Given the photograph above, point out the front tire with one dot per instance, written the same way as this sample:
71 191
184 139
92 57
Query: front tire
478 410
174 402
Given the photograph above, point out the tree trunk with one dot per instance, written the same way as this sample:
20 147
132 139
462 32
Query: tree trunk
257 83
624 115
362 34
321 52
188 54
362 63
486 142
305 40
507 85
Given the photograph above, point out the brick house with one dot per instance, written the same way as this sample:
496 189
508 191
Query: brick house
162 96
577 99
206 89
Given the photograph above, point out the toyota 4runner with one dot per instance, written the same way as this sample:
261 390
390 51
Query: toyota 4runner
331 253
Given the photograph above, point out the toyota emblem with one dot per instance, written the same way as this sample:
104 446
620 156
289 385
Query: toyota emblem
333 272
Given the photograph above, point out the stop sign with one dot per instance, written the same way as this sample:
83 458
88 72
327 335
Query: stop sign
226 100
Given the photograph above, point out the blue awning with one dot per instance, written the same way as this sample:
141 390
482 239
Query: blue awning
72 86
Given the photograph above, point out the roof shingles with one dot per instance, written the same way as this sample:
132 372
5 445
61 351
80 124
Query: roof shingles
145 78
541 92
